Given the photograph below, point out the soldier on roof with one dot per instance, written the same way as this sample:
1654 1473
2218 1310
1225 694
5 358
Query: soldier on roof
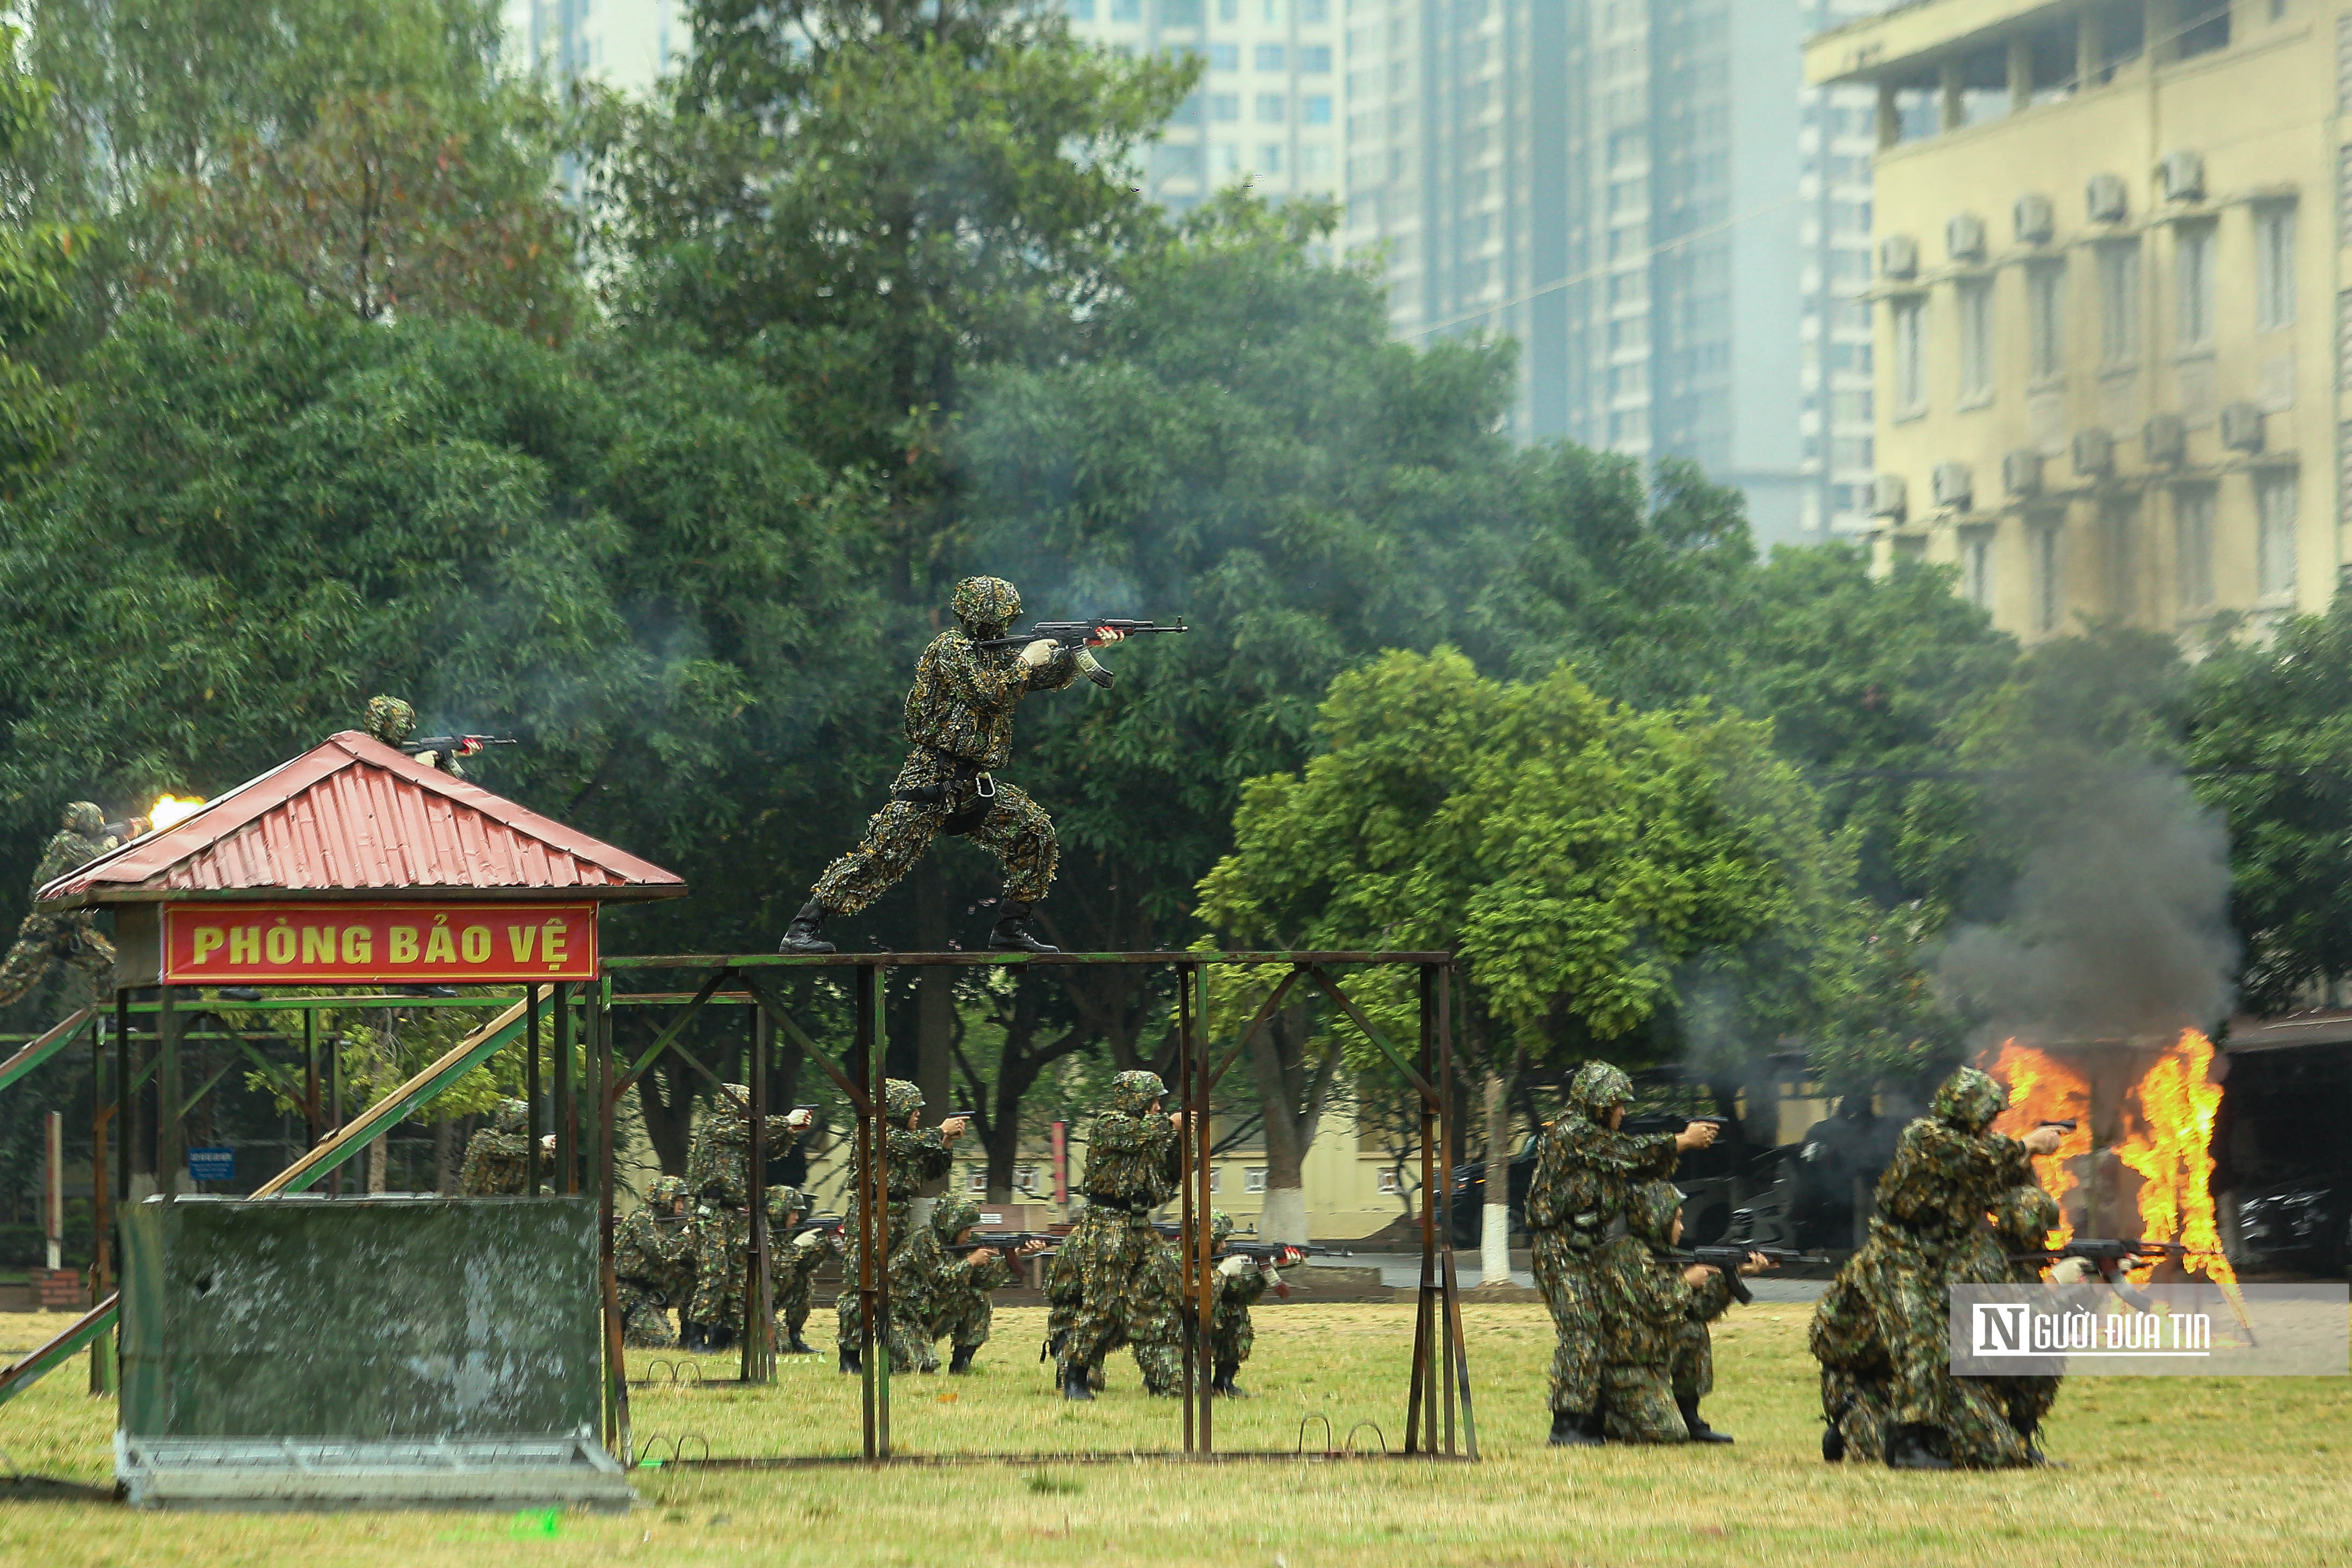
70 937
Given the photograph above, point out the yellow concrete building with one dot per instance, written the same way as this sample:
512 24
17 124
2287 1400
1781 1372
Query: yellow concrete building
2110 240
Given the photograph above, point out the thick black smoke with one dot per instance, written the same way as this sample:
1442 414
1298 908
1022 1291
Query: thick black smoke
2120 924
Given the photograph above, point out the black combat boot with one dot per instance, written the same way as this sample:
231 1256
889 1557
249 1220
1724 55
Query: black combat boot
961 1363
1907 1449
800 1346
2031 1433
1074 1383
1700 1432
806 933
1575 1429
1832 1444
1010 932
1221 1380
851 1365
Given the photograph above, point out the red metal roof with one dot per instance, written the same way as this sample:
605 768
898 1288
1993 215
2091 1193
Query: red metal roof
356 816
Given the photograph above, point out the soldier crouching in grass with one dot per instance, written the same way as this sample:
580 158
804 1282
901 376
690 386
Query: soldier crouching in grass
652 1260
1654 1310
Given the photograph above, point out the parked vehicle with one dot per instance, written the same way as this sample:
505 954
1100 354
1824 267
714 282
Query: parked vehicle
2304 1225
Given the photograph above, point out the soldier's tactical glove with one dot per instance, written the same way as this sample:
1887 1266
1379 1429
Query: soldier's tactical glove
1233 1267
2072 1271
809 1238
1038 654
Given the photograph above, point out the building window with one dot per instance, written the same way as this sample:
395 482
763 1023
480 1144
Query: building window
1082 10
2192 533
1975 300
1180 12
1269 108
2118 558
1254 1178
975 1179
1269 56
2119 303
1225 57
2041 541
1976 566
1225 106
1216 1178
2274 537
1315 59
2273 268
1127 10
1389 1182
2193 278
1314 13
1315 108
1269 158
1910 357
2045 321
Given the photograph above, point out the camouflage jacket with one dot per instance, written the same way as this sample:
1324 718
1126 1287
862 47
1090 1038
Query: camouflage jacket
1133 1162
1644 1298
1583 1172
68 851
718 1160
914 1159
1235 1298
962 699
494 1165
789 1262
656 1254
1934 1191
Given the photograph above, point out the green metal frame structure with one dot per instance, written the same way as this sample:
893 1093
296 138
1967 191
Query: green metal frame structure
1439 1420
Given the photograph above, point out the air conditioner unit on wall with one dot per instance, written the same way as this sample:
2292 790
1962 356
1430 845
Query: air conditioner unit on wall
2020 472
2182 176
2095 453
1899 257
1952 487
2164 441
1964 238
2108 199
2037 219
2241 426
1889 497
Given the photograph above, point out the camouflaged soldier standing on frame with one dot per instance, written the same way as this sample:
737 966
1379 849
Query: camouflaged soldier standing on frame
652 1260
718 1186
1125 1271
916 1156
1585 1166
959 727
70 937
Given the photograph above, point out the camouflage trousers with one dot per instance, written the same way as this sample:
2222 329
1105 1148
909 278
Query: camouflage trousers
961 1317
912 1278
1015 830
1643 1402
1230 1338
1980 1430
794 1274
1564 1274
722 1246
1128 1292
644 1318
45 940
1884 1366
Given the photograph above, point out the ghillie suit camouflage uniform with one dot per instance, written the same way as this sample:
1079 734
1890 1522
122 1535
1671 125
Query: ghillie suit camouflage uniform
961 1313
1583 1172
70 937
652 1260
391 721
498 1156
1885 1315
792 1267
1127 1282
913 1159
718 1184
1652 1323
959 729
1231 1337
2021 1221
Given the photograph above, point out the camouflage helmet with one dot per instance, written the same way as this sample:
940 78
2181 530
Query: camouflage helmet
84 817
984 607
665 1191
2025 1216
1221 1224
953 1216
1969 1099
1597 1089
1650 1213
901 1099
787 1200
390 720
511 1115
736 1097
1133 1093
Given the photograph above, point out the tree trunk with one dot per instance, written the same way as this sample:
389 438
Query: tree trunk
1291 1094
1494 1227
444 1157
667 1105
378 1153
934 1006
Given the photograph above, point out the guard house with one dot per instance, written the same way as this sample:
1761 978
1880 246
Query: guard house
354 867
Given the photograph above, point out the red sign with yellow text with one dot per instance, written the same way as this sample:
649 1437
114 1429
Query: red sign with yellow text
305 944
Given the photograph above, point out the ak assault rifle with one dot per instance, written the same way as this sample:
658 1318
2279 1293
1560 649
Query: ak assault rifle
1004 1243
1259 1251
1079 636
457 745
1729 1258
2111 1258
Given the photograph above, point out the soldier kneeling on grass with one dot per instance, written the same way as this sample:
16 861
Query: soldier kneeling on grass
1655 1305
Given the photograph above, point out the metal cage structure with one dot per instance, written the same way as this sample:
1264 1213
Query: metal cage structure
1439 1419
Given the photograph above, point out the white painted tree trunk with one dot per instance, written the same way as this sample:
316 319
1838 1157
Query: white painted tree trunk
1495 1221
1494 1245
1285 1216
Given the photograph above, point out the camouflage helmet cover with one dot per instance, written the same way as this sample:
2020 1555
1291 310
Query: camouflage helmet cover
787 1200
1597 1089
901 1099
1650 1213
1969 1100
1221 1224
736 1097
1133 1093
511 1116
84 817
984 607
954 1214
390 720
664 1190
2026 1216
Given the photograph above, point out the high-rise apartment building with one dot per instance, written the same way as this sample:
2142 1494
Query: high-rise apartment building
2113 320
630 44
1269 109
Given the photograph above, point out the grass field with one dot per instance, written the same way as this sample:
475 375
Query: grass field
2159 1471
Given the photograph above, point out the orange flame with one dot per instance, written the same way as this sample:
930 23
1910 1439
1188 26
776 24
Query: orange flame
2044 1088
2171 1150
